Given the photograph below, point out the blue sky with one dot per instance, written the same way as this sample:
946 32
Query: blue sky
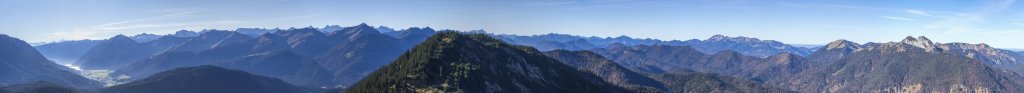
999 23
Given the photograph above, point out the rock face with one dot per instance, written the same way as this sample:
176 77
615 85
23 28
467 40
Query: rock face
115 52
476 63
205 79
905 67
20 63
921 42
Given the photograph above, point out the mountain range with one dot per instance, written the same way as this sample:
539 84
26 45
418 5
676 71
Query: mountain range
677 81
66 52
365 58
905 67
303 56
20 63
717 43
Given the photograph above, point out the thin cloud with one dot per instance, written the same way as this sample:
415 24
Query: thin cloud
551 3
74 35
969 22
837 6
94 32
918 12
155 25
897 18
141 19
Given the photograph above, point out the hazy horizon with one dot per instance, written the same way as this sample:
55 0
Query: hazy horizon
994 22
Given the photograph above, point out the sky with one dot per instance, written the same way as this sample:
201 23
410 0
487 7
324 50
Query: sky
999 23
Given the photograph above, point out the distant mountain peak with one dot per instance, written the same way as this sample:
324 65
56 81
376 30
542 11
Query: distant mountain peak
384 29
363 25
361 29
185 33
145 37
623 37
842 44
328 26
143 34
121 37
331 28
718 37
920 41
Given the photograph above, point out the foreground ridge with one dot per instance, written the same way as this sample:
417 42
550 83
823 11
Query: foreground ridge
476 63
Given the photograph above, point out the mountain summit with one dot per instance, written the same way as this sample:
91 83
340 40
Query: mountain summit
115 52
842 44
914 66
476 63
921 42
